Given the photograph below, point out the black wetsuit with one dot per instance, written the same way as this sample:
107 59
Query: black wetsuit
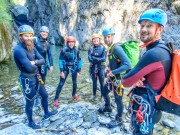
28 78
69 62
116 68
97 58
43 48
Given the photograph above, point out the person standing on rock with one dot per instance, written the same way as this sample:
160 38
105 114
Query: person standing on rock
151 72
43 47
28 60
117 65
97 58
69 62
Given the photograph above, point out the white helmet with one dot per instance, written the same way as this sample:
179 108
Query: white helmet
44 29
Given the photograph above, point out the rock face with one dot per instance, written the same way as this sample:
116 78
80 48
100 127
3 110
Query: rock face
82 18
45 12
5 42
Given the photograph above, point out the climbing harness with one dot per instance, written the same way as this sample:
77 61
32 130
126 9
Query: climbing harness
143 113
72 69
40 79
43 69
27 89
110 83
119 88
95 71
114 83
71 66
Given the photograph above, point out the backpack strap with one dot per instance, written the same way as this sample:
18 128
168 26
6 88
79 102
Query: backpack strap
47 43
113 54
168 47
152 92
116 44
151 96
35 41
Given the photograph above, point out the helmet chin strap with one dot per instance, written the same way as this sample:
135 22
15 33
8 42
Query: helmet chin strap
156 37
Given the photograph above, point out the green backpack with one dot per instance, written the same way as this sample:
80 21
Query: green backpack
132 50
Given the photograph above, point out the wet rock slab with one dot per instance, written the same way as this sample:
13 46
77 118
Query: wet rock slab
19 129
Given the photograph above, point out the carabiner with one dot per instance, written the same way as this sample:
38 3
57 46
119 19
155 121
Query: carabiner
42 69
27 90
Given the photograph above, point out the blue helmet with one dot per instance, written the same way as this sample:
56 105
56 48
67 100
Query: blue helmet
155 15
108 31
25 29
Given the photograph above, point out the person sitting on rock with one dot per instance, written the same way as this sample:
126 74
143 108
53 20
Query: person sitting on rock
97 58
28 60
118 63
69 62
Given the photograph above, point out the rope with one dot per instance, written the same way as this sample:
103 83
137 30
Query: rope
142 114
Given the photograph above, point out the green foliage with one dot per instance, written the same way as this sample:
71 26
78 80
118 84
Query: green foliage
5 16
5 36
18 2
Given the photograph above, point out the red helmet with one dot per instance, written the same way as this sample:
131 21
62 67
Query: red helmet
70 39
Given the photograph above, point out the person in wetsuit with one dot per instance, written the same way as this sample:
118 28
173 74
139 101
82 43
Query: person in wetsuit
43 47
117 65
28 60
69 62
151 72
97 58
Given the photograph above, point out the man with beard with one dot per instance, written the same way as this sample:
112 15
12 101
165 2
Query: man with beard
150 74
43 47
28 60
117 65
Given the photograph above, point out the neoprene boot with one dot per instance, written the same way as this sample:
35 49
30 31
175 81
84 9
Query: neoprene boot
33 125
92 98
49 114
117 122
105 109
